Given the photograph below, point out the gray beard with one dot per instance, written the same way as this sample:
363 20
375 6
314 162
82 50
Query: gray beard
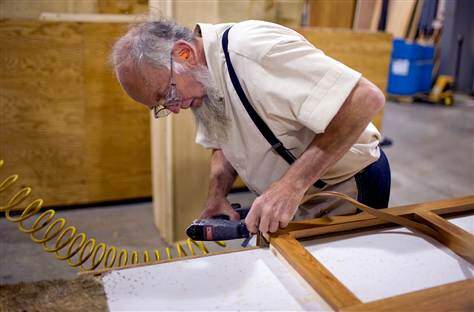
211 114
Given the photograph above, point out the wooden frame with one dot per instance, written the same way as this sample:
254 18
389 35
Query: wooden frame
453 296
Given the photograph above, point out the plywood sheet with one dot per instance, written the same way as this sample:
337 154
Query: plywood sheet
364 12
31 9
117 128
399 15
66 127
191 169
42 108
331 13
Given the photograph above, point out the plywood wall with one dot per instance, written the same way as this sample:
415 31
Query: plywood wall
31 9
331 13
286 13
66 126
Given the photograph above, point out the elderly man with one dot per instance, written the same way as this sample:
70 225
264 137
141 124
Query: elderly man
274 109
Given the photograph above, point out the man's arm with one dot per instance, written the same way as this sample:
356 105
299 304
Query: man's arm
277 205
223 176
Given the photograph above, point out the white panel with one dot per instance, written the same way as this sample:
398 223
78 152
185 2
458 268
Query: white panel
246 280
385 263
465 223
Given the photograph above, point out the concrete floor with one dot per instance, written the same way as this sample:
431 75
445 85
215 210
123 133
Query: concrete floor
432 158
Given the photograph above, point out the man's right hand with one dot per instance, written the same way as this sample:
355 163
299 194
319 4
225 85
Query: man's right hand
218 206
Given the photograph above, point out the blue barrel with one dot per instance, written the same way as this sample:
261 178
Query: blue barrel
410 68
426 68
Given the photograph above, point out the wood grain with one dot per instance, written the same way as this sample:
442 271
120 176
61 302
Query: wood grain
374 23
28 9
363 220
331 13
450 297
399 16
117 128
42 109
364 12
66 126
315 274
191 168
455 238
411 31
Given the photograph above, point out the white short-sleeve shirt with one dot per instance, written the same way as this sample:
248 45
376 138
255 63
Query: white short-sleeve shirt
294 87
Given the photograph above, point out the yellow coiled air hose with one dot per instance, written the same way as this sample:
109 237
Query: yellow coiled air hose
79 251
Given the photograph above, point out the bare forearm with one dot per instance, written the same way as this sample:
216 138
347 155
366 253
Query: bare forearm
222 176
343 131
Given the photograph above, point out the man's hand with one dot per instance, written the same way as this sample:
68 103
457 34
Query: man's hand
274 208
218 206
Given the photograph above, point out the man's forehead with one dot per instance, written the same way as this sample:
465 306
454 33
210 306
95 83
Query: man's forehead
142 83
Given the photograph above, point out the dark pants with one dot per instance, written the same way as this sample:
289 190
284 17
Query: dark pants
373 183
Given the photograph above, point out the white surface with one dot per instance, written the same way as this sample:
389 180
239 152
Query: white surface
385 263
465 223
373 265
246 280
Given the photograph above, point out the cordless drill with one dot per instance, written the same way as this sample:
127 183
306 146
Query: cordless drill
220 227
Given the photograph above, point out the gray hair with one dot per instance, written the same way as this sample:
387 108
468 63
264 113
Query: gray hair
149 42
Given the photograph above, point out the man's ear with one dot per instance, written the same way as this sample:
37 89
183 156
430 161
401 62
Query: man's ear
184 53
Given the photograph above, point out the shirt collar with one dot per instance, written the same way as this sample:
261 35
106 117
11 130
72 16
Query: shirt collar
211 37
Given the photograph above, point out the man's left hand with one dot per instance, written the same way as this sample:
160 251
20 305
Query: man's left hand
274 208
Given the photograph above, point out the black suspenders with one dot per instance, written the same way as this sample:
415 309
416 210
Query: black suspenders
276 144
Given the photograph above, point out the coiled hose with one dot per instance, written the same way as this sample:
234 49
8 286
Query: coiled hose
75 248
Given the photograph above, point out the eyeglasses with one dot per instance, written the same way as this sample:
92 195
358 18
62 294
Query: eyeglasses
160 109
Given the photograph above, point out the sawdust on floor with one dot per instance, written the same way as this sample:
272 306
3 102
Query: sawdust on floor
80 294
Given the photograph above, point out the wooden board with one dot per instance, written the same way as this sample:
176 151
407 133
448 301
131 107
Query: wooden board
399 15
315 274
451 297
416 16
374 23
331 13
66 127
364 220
31 9
364 12
191 168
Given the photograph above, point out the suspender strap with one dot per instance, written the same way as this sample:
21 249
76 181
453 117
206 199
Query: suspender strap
276 144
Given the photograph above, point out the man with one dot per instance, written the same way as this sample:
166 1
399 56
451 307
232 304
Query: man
318 108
